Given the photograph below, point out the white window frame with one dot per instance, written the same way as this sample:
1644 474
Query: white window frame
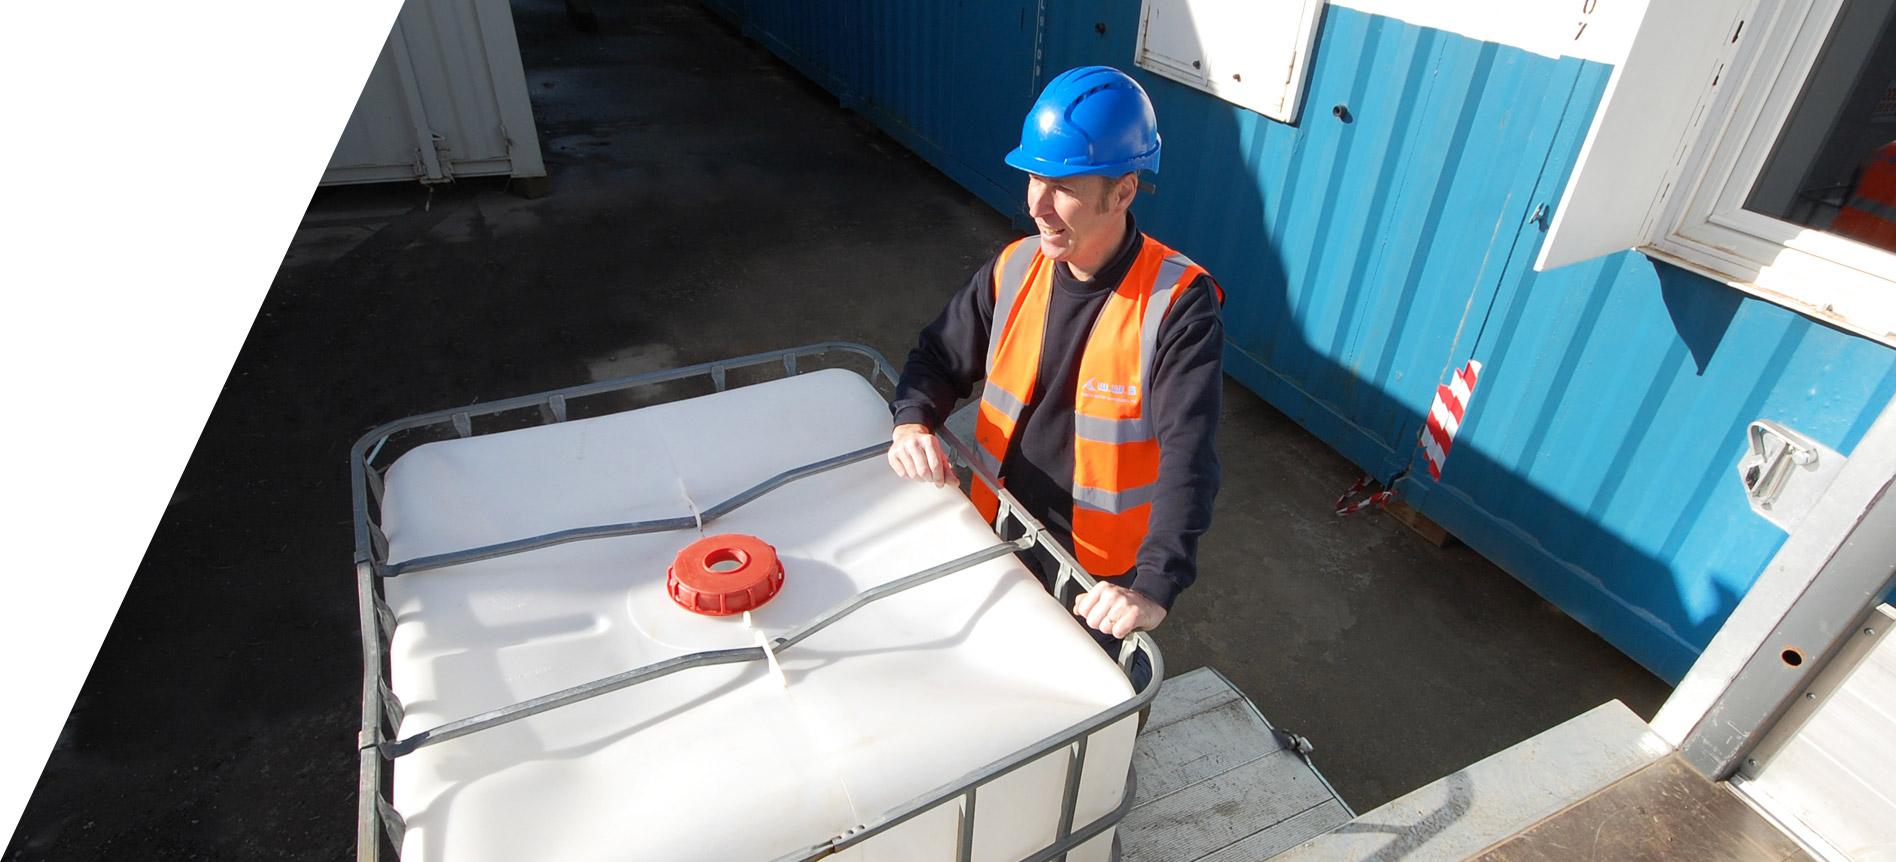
1703 225
1277 95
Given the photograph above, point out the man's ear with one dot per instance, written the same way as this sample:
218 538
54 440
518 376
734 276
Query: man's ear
1125 189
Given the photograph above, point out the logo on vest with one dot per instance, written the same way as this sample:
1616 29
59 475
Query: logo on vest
1123 393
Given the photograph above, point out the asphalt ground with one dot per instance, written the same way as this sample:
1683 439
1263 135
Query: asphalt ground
705 201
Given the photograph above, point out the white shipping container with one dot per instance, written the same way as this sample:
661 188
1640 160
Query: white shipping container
447 98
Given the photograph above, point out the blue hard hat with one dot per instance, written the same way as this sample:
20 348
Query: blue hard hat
1090 120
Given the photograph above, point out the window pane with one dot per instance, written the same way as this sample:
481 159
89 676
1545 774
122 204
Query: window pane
1834 165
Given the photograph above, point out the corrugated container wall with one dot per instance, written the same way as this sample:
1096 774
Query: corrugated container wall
1368 252
447 98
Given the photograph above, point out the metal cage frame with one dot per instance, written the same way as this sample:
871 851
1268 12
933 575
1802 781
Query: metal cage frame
378 743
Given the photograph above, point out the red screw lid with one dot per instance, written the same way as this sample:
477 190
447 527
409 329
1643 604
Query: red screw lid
723 575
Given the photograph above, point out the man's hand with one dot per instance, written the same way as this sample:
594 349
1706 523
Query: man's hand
915 454
1118 611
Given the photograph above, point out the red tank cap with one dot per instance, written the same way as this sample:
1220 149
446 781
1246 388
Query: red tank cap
722 575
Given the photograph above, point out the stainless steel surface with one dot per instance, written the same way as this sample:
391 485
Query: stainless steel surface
1823 770
1853 576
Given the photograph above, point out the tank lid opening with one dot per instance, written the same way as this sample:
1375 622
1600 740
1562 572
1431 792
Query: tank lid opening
724 574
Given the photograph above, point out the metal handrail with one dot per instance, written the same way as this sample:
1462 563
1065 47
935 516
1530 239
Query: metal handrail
375 816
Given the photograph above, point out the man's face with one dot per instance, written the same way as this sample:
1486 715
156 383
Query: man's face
1076 215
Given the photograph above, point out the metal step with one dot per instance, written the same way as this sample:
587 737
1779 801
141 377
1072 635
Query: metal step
1218 782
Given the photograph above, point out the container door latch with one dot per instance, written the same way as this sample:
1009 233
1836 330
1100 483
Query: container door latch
1784 472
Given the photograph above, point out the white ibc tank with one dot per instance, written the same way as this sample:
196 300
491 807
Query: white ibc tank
729 762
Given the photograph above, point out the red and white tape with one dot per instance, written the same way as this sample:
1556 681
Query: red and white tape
1437 438
1445 416
1344 506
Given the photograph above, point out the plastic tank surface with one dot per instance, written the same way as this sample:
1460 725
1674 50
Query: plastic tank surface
732 762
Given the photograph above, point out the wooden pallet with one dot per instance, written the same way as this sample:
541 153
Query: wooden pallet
1215 783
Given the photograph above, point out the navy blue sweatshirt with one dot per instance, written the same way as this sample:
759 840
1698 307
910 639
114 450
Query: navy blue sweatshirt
1038 469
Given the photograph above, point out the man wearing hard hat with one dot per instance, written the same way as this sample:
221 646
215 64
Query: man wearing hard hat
1101 350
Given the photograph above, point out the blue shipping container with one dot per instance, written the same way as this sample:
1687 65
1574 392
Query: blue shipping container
1367 255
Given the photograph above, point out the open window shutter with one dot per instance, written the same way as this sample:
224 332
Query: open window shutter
1631 156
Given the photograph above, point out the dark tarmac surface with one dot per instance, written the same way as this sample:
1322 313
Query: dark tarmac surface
705 202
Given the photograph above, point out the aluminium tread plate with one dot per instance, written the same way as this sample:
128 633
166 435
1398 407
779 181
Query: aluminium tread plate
1211 743
1187 695
1214 783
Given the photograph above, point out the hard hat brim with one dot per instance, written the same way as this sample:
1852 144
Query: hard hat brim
1020 160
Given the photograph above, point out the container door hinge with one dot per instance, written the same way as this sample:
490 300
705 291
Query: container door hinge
442 154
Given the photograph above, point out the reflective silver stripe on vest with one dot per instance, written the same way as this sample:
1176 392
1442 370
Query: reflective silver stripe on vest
1009 406
1873 208
1163 288
1013 280
1111 502
987 461
1111 430
1003 401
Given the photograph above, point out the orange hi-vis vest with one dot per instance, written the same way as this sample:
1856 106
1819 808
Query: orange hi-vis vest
1115 447
1870 214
